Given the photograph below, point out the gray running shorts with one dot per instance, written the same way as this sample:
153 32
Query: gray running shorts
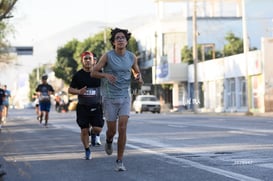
113 108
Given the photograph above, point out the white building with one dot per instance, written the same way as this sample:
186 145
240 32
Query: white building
221 82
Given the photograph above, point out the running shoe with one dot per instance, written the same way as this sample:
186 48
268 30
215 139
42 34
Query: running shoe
93 139
2 173
108 148
88 154
119 166
40 119
98 140
4 120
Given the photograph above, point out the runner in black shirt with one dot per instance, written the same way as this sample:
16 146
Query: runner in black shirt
89 109
44 90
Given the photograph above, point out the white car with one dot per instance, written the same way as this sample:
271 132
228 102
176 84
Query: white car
146 103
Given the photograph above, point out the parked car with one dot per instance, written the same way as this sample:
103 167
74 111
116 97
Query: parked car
146 103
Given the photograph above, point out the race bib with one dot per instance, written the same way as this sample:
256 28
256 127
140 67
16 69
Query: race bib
90 97
44 98
91 92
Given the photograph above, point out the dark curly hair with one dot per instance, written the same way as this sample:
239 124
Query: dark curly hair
126 33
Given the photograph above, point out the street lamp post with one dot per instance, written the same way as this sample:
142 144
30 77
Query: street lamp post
246 50
155 65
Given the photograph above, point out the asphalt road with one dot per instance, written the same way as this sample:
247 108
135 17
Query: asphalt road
160 147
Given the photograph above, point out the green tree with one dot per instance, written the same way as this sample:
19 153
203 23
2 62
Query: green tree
68 56
132 45
186 55
34 79
95 44
6 7
234 46
66 66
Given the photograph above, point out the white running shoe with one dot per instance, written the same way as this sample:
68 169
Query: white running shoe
98 140
120 166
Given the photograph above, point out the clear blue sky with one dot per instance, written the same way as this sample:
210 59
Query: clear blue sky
37 19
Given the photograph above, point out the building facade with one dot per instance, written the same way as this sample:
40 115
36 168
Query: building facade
173 29
237 83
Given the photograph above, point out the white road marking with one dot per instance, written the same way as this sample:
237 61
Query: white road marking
234 130
266 165
246 132
218 171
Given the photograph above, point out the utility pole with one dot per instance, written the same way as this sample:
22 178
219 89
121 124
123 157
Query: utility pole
246 50
155 65
195 99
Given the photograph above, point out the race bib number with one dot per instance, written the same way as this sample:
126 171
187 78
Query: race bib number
91 92
44 98
90 97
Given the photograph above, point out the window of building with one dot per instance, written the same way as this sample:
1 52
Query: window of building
182 94
219 93
231 96
242 92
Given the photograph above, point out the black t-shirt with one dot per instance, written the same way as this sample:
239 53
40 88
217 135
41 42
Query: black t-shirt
2 95
44 90
92 95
